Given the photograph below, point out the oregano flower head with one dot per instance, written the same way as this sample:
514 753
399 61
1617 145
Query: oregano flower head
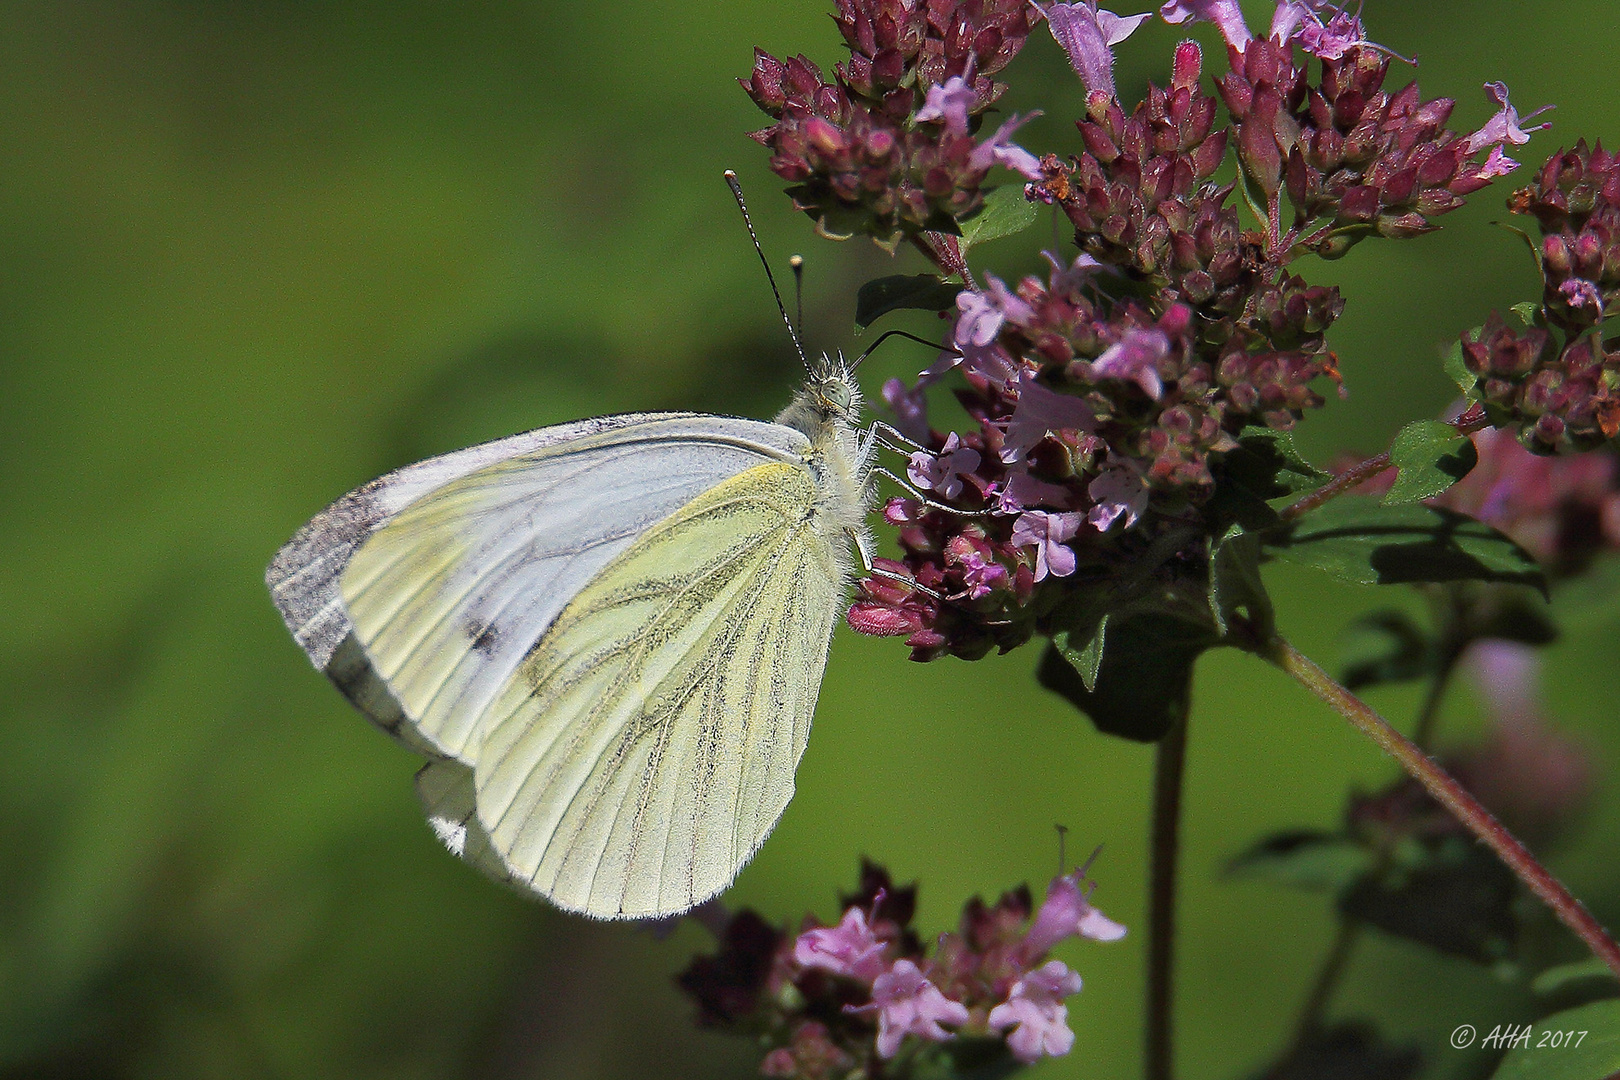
866 992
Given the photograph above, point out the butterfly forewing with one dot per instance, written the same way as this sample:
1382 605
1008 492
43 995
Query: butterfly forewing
451 593
639 755
303 577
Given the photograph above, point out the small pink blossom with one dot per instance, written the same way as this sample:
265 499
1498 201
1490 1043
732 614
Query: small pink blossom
999 149
1119 492
1580 293
979 319
1507 126
1066 912
1039 412
1496 163
850 948
991 362
1136 358
1020 490
908 1004
1074 276
980 575
1225 14
910 408
1287 20
1088 35
943 472
949 102
1008 302
1332 39
1046 533
1035 1011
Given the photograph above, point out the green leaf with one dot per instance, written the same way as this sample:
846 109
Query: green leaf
1304 859
1264 466
1357 540
922 292
1459 899
1288 469
1005 212
1431 456
1526 310
1592 1056
1144 680
1557 979
1088 658
1385 647
1466 381
1237 593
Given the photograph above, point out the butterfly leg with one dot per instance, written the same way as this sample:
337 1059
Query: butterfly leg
912 490
864 553
892 438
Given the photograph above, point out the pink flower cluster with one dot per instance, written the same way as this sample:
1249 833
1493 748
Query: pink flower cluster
1107 394
1555 378
864 987
886 148
1091 413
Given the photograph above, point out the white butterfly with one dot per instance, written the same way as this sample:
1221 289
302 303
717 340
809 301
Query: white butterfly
608 636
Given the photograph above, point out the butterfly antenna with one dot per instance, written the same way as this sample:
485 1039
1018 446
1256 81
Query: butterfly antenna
796 264
885 336
1063 836
736 193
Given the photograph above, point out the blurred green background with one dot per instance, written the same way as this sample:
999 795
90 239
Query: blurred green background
255 253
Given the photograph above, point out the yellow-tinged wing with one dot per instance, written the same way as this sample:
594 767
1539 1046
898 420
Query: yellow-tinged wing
646 746
449 799
435 603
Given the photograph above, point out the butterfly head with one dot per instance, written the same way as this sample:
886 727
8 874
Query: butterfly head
833 388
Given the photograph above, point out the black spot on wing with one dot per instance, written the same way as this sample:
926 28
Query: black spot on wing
483 635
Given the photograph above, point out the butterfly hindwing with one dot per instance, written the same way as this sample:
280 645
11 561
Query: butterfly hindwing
640 754
448 797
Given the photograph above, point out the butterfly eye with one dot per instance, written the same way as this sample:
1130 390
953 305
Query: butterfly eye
836 395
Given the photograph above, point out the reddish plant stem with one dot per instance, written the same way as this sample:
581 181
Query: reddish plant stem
1469 422
1450 794
1356 474
1169 766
